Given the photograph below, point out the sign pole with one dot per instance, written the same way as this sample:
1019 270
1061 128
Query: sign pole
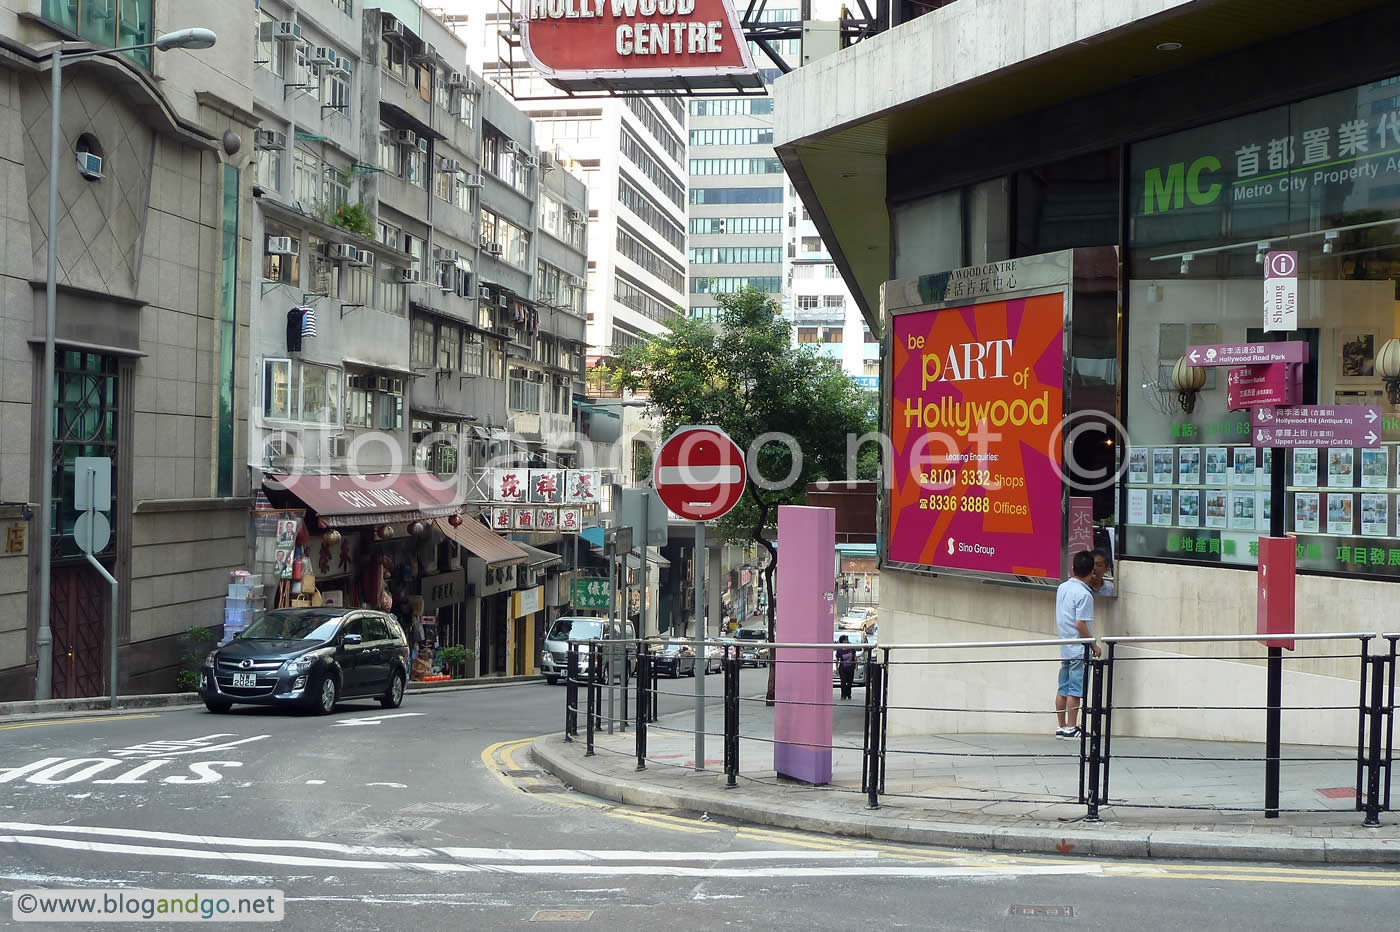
699 639
612 658
1273 698
645 551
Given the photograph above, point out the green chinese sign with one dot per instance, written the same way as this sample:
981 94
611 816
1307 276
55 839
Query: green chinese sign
590 593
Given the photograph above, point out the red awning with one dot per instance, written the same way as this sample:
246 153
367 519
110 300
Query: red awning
352 501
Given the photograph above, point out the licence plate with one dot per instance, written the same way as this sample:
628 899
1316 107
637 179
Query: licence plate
245 680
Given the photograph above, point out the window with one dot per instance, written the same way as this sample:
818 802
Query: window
811 244
643 110
732 137
505 158
631 246
562 222
335 90
707 255
514 242
649 212
461 194
393 59
281 267
423 81
415 167
269 169
867 337
736 195
306 179
267 52
730 106
806 302
724 285
298 391
807 335
449 346
86 406
804 271
524 390
659 176
830 271
494 351
555 286
388 150
414 246
108 23
421 347
833 335
739 225
388 235
638 298
441 95
471 355
833 300
374 401
735 166
337 191
442 183
439 456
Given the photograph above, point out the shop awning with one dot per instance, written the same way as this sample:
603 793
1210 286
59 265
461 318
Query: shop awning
539 558
354 501
492 548
634 560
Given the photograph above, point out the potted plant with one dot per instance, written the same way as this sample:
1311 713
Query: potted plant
455 657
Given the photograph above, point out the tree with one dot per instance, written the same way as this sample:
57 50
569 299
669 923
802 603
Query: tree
745 376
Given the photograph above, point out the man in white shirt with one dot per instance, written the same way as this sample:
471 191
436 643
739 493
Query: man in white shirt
1074 611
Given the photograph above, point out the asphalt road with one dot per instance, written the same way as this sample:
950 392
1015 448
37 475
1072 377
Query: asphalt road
433 817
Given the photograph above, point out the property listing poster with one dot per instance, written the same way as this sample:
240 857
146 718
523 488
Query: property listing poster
976 399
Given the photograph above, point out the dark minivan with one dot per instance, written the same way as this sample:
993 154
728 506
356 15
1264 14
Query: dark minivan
309 658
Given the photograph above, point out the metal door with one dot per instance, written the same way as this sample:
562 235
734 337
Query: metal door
78 620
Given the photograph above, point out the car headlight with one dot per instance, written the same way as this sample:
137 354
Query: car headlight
209 659
544 655
301 664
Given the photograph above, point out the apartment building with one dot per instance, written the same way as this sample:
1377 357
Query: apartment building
632 154
151 335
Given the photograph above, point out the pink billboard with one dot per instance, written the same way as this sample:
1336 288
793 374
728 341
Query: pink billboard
975 411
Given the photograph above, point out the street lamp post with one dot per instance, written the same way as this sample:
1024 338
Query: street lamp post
179 39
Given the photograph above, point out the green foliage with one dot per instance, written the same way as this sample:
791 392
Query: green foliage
197 641
455 657
746 376
353 217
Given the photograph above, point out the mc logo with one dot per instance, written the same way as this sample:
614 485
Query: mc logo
1181 182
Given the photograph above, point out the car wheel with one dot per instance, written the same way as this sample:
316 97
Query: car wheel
393 697
218 708
551 680
692 669
326 696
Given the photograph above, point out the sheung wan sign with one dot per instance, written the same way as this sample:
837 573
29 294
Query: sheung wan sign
638 44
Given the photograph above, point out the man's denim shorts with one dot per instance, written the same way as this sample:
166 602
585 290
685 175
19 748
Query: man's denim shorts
1071 678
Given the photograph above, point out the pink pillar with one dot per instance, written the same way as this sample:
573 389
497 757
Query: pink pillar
806 614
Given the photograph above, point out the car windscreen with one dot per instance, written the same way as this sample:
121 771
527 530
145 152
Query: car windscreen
751 634
578 629
292 626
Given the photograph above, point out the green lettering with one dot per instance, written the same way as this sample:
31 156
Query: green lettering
1161 197
1207 163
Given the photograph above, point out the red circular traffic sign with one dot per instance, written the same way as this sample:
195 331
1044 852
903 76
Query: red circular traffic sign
699 473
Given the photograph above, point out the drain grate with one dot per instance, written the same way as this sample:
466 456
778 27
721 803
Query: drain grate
445 808
1055 912
548 788
526 773
410 823
562 915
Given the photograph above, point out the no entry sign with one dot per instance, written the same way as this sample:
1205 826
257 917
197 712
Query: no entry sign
699 473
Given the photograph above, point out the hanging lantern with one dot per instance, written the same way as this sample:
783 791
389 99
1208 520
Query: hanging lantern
1187 380
386 532
1388 368
417 529
455 520
332 536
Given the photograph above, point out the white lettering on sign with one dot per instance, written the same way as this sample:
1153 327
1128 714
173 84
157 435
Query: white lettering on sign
373 498
651 39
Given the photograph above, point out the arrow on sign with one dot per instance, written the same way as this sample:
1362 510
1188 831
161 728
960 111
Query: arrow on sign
376 720
1195 356
1371 415
1371 437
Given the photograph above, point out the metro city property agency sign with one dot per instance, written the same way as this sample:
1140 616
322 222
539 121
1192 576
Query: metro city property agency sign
974 412
637 44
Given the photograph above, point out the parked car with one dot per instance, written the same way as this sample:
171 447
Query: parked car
672 658
714 655
310 658
554 659
752 654
856 640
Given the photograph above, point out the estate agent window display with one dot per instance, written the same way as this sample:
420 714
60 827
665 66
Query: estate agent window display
1320 177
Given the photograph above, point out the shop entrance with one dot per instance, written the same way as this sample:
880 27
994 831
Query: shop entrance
78 621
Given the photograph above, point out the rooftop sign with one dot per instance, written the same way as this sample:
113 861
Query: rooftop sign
638 44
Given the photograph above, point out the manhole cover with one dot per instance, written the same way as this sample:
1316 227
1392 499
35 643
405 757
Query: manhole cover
1052 912
445 808
562 915
525 773
417 823
550 788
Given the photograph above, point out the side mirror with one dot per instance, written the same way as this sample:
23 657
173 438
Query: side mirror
351 639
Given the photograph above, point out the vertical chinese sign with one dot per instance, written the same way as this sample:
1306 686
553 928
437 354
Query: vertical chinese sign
975 409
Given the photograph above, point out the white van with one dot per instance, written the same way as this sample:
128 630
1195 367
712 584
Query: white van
554 659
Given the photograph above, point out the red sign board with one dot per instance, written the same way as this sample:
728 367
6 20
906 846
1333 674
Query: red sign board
637 44
699 473
1279 383
1278 574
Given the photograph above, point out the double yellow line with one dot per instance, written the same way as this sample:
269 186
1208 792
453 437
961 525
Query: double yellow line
74 721
500 757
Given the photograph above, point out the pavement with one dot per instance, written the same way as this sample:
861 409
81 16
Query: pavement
1169 798
432 816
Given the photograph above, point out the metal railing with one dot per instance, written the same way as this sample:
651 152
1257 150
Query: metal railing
1093 756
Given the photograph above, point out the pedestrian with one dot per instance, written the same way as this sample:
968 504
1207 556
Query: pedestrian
1074 611
1102 566
846 666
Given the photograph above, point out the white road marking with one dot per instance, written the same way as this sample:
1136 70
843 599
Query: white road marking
590 870
315 782
375 720
396 786
190 746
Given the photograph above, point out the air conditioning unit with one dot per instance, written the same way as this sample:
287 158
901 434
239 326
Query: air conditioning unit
443 254
427 53
363 259
281 246
405 276
342 252
461 80
379 383
483 292
298 74
532 161
90 165
494 249
337 447
406 137
512 146
281 32
269 140
550 159
390 26
322 55
340 68
473 181
450 166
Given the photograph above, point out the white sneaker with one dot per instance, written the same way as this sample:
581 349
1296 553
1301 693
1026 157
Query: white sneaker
1069 733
